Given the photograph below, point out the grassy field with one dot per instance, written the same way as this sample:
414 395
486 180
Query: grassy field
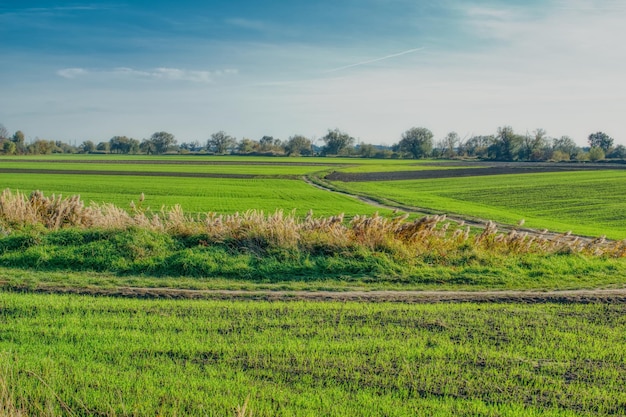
588 203
82 355
71 355
261 166
191 166
222 195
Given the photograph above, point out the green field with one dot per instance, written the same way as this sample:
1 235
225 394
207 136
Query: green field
71 355
588 203
276 170
106 355
193 194
264 166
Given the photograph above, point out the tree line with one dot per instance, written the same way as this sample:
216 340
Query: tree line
417 143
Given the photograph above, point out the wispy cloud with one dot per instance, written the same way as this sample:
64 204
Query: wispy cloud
63 8
71 73
171 74
371 61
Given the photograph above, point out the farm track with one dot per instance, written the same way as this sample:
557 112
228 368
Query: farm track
611 296
468 221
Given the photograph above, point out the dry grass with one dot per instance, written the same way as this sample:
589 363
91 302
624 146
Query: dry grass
432 234
8 407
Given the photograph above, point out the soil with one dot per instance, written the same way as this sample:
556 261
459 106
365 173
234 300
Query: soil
612 296
483 169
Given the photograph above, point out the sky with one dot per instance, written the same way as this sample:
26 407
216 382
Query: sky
75 71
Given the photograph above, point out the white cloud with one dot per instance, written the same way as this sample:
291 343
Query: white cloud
71 72
162 73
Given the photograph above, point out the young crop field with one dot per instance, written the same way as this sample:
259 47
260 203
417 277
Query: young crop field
188 167
588 203
200 195
266 166
272 347
77 355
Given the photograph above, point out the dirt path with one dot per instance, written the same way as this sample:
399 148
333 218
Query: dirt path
477 223
613 296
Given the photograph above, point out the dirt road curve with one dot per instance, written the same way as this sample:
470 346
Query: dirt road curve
613 296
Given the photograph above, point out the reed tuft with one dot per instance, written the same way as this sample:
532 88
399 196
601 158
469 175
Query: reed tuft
258 231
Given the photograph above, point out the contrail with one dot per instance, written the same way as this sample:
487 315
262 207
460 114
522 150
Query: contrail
374 60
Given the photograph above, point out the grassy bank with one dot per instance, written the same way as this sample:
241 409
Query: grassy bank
62 234
71 355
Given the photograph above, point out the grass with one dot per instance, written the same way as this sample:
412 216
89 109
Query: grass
193 194
192 166
76 355
264 166
587 203
57 234
81 355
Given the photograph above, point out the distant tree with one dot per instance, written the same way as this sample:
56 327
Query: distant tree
566 146
134 146
103 147
600 140
271 144
336 142
4 133
417 142
506 145
558 156
193 146
122 144
266 142
299 145
449 145
9 147
148 147
619 152
87 147
220 142
596 154
42 147
162 142
62 147
477 146
247 145
20 141
582 156
366 150
534 146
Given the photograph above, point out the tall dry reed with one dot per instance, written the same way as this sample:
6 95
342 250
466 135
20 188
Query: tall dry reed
287 231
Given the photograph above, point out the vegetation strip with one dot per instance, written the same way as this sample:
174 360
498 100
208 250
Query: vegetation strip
192 160
611 296
140 173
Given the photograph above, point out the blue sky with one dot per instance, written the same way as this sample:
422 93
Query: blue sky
91 70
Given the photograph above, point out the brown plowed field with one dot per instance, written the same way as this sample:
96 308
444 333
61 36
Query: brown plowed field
484 169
